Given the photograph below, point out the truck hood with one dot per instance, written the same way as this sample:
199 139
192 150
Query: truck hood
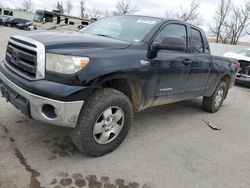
239 57
72 40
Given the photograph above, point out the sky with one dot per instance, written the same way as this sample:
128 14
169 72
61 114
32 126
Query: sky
156 8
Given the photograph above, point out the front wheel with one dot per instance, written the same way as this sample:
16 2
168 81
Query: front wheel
103 123
213 103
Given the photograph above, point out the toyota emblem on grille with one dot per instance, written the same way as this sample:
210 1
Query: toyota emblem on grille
14 57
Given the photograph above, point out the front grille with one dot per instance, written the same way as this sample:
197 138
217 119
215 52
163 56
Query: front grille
21 58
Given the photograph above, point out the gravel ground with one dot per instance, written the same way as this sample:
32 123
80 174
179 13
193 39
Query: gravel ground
167 146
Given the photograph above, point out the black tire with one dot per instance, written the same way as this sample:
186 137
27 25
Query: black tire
83 135
209 103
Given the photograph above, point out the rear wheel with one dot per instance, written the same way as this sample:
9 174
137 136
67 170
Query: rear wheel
213 103
103 123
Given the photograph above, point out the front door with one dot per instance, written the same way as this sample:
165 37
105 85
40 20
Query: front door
170 69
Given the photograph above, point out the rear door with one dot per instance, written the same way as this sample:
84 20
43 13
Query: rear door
200 63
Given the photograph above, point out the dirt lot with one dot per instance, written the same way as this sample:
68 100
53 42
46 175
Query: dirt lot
168 146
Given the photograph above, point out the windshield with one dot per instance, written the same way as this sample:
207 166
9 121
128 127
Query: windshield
126 28
245 52
38 16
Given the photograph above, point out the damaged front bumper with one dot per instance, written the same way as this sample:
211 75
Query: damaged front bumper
56 112
243 76
243 79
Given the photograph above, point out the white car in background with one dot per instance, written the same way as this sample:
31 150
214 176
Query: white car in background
243 57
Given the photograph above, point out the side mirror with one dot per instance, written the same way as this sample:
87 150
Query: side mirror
170 43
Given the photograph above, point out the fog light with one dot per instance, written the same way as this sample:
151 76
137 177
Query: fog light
49 111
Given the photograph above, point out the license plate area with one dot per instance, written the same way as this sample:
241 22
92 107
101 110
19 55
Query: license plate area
15 99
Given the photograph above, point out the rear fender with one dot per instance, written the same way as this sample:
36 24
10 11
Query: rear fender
211 89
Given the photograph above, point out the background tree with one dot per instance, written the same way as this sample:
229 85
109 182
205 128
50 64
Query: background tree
95 13
59 6
230 22
69 6
27 5
107 13
190 14
82 8
219 20
239 22
125 7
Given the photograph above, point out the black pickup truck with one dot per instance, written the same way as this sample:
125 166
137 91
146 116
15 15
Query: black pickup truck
95 79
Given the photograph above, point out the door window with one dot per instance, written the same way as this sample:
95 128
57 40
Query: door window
197 41
172 30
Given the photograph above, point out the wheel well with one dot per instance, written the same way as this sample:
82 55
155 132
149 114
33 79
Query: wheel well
226 79
128 87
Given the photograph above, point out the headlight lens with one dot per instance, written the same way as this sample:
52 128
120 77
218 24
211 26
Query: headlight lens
65 64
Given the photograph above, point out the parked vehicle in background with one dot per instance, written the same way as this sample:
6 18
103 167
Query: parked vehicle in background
51 20
14 21
3 19
243 57
25 26
95 79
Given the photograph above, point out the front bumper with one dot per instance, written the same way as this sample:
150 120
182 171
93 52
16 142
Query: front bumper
38 107
243 80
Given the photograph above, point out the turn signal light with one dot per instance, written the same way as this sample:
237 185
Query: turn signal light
84 61
238 66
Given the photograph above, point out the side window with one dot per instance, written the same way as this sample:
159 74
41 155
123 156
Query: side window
172 30
6 12
197 41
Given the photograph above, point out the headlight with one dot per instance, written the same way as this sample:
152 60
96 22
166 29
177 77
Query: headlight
65 64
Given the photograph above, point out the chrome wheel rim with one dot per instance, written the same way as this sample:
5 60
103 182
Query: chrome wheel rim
219 97
108 125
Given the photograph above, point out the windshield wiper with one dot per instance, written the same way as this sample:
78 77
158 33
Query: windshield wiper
102 35
107 36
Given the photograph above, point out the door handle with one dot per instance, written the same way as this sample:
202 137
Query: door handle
187 61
